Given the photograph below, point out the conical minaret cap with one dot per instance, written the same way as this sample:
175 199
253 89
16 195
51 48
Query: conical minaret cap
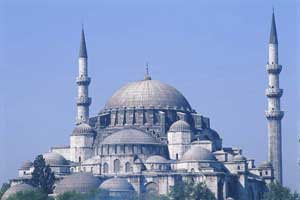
273 33
82 50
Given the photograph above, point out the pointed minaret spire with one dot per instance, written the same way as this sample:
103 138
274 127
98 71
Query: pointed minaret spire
273 33
83 81
147 76
274 114
82 50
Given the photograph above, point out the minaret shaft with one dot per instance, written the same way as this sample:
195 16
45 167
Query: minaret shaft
83 81
274 113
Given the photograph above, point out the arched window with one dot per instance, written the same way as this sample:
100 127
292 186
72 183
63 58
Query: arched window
116 166
128 167
79 159
105 168
238 167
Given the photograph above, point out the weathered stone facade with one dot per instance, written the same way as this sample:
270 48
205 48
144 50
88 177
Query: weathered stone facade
147 138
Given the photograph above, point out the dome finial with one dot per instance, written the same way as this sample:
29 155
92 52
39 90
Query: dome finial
147 76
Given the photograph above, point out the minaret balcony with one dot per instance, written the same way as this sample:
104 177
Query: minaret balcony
274 114
84 101
274 68
82 80
274 92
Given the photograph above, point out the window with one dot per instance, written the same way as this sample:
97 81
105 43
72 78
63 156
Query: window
92 169
84 169
79 159
128 167
260 173
238 167
266 172
176 156
116 166
105 168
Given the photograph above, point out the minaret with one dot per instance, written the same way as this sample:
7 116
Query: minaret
274 114
83 100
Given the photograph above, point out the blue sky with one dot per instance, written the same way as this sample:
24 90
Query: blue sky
214 52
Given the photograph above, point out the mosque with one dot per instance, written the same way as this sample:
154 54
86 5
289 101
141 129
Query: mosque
148 138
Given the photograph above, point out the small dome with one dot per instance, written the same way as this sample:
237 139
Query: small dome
147 93
196 152
83 129
16 188
54 159
130 136
79 182
209 134
26 165
265 165
117 185
239 157
156 159
180 126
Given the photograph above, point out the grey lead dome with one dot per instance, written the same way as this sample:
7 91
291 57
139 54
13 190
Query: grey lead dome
129 136
79 182
83 129
148 94
54 159
16 188
180 126
198 153
117 185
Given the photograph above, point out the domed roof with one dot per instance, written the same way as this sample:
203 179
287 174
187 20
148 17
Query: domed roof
210 134
83 129
54 159
148 93
130 136
156 159
16 188
180 126
196 152
26 165
265 165
239 157
117 185
78 182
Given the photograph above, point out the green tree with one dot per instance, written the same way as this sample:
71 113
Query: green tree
3 189
190 191
201 192
71 196
277 192
42 175
30 195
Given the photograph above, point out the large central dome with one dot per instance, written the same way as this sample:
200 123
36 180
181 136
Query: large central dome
148 93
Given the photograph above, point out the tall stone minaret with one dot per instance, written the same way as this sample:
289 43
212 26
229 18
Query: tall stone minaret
83 100
274 114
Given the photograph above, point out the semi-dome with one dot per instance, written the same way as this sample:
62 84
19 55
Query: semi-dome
16 188
156 159
239 157
26 165
130 136
83 129
117 185
265 165
180 126
79 182
196 152
54 159
209 134
149 94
